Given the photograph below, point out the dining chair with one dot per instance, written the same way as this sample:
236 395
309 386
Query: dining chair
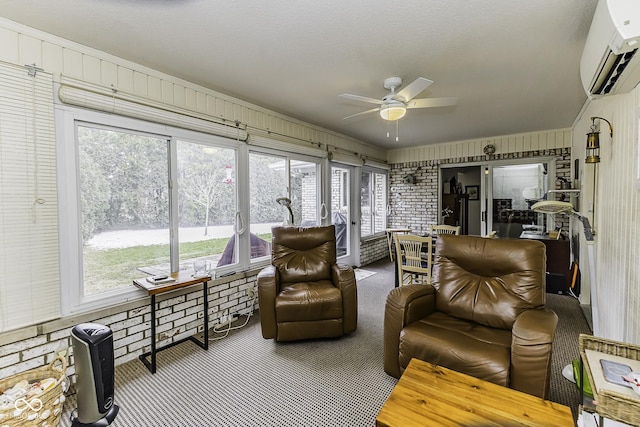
434 230
414 264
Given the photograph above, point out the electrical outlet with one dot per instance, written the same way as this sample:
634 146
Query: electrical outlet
251 291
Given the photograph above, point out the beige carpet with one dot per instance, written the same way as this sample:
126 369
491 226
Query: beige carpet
245 380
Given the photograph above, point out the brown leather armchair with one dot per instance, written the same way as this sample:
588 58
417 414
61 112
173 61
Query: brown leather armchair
304 293
482 315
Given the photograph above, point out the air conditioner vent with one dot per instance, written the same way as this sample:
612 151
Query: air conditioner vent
604 85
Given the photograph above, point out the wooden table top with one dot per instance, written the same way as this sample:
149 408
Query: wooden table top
430 395
182 278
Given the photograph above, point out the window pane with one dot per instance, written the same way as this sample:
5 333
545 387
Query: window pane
380 202
304 192
340 186
267 182
124 203
366 225
206 204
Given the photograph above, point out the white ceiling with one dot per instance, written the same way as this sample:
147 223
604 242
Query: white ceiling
513 64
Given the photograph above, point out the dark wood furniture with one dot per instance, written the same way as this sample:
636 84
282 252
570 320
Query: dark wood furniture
558 262
459 204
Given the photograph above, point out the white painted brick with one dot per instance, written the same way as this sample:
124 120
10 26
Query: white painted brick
127 323
184 320
197 310
117 335
21 345
184 305
162 328
21 367
137 345
171 301
188 333
9 360
128 340
109 320
171 318
40 350
137 328
139 311
119 352
57 335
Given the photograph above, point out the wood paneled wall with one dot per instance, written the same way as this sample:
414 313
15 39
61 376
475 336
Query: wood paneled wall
535 142
610 198
23 45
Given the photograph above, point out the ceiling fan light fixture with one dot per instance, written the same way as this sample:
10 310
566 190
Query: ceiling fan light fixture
393 112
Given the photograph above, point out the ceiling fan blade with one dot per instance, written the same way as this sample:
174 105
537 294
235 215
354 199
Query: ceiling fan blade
432 102
413 89
361 98
361 113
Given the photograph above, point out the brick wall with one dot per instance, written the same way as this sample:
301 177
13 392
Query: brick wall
179 315
373 249
415 205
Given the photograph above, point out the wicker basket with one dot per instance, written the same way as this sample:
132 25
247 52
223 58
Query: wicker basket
612 405
28 414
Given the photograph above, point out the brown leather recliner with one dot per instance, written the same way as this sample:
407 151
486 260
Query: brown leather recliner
482 315
304 293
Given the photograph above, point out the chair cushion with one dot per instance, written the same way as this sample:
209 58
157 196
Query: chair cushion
458 344
488 281
303 254
305 301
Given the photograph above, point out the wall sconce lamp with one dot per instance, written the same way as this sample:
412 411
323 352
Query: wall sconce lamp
593 141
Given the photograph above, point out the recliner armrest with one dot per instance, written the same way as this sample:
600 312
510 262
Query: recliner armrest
404 305
532 339
268 288
344 278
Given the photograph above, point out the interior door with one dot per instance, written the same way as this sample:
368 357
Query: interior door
341 208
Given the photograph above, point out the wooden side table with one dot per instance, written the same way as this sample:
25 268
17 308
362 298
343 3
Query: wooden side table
390 232
430 395
182 279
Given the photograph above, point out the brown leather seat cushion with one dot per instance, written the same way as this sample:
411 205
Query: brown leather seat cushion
458 344
306 301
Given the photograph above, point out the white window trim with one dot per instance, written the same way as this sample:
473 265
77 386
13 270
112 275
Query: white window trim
385 172
66 118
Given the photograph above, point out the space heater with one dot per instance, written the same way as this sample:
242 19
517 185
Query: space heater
94 365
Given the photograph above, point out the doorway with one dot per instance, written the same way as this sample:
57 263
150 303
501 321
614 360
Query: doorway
460 198
495 197
512 191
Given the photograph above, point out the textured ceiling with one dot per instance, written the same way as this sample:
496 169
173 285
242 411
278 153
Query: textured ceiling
513 64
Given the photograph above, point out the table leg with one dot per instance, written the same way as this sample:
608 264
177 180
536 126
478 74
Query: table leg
206 314
153 334
389 240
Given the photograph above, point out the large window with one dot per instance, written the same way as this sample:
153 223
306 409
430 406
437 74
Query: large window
373 202
280 188
124 206
140 199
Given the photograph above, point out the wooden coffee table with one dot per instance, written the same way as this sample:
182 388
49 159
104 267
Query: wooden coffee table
430 395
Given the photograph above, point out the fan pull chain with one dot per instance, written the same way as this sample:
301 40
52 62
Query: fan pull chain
397 130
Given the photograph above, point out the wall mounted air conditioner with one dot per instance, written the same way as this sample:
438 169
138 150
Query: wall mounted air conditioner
610 60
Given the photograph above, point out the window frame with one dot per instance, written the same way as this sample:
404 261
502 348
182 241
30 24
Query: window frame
70 242
288 158
372 171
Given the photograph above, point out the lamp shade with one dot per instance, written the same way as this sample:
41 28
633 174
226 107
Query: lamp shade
393 112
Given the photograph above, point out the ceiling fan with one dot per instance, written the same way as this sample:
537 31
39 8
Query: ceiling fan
395 105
